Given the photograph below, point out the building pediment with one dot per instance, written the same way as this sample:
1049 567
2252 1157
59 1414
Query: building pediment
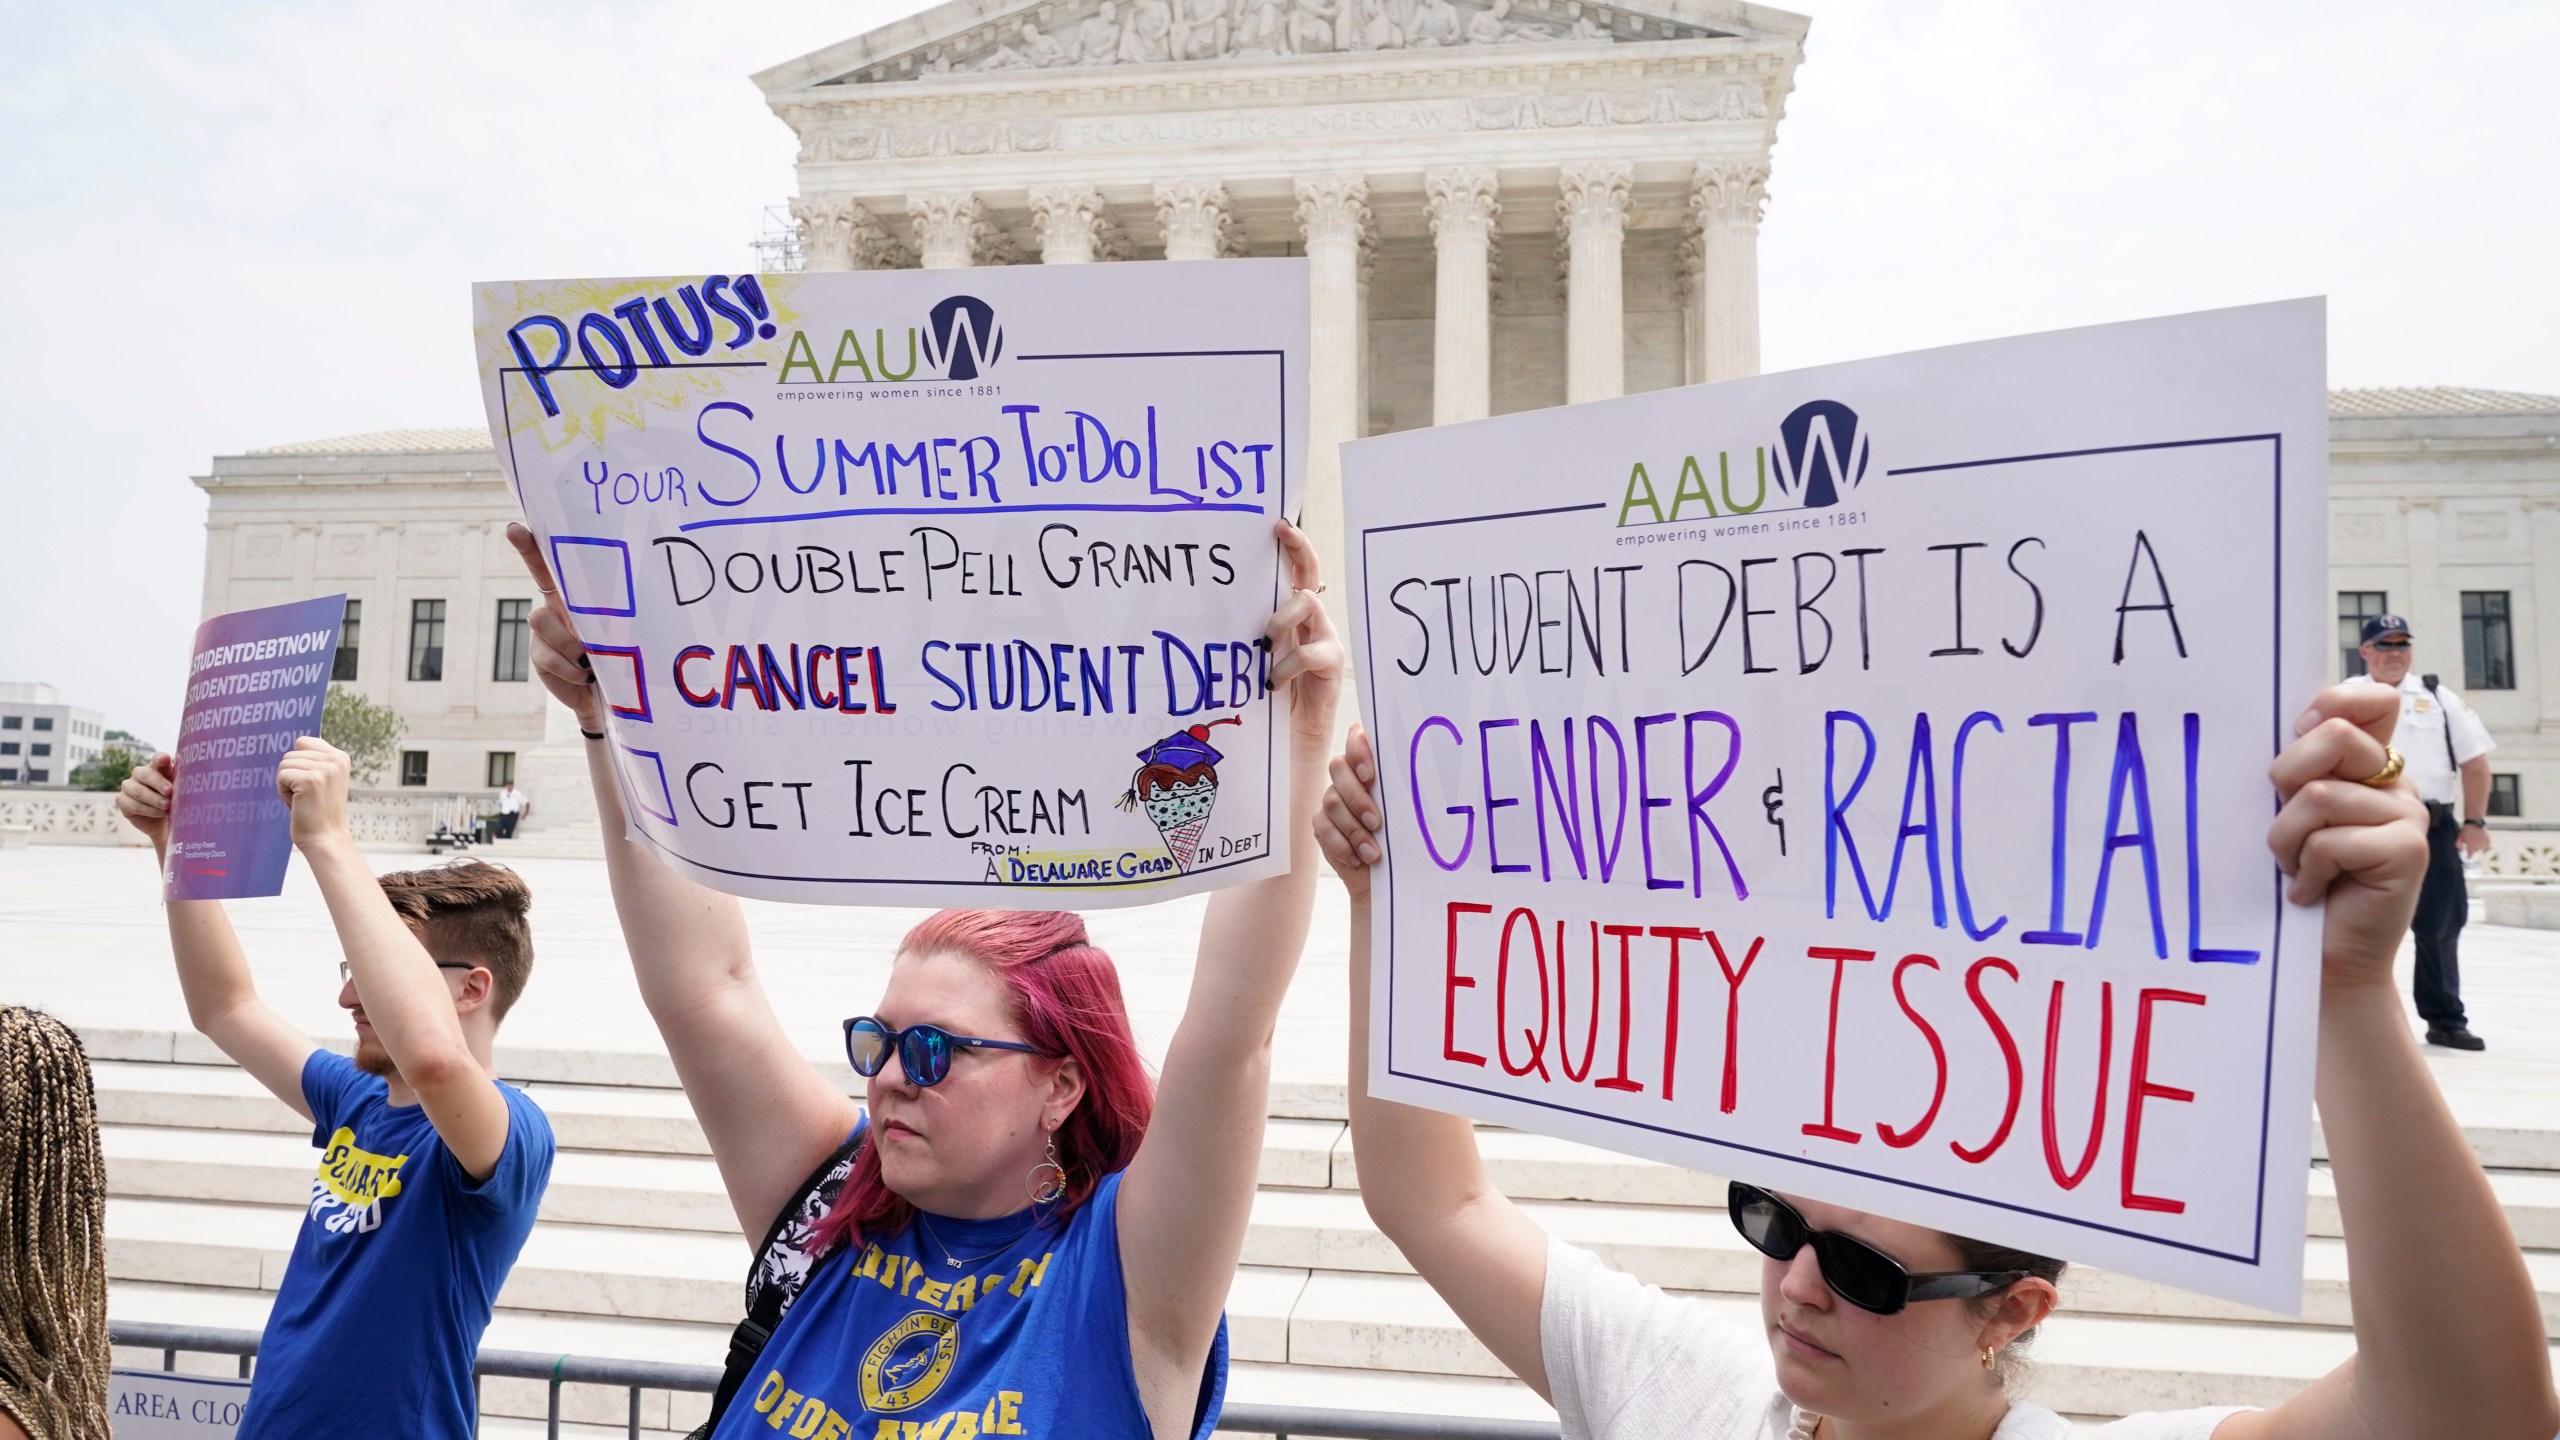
976 36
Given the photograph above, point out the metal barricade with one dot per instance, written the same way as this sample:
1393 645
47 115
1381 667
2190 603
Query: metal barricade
1285 1422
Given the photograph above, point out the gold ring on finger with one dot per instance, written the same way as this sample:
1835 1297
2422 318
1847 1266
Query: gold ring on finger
2393 762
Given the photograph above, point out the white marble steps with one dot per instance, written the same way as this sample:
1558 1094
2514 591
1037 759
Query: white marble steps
1300 1153
2531 1199
1697 1250
658 1192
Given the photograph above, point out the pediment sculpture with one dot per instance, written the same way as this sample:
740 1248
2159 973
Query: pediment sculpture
1148 32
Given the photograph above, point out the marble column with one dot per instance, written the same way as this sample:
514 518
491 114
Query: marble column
1333 215
947 224
1464 207
1197 219
1069 219
1728 200
382 657
2434 618
2542 522
1592 213
839 235
1692 264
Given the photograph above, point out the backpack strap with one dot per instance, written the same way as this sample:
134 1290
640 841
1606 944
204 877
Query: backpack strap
782 1267
2447 714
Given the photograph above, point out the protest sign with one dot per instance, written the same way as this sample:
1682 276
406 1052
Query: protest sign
255 684
922 586
1854 781
163 1405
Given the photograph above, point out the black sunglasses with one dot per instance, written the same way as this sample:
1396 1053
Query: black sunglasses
2390 644
1856 1271
924 1051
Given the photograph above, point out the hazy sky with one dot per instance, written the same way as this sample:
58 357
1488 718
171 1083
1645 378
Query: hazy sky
233 226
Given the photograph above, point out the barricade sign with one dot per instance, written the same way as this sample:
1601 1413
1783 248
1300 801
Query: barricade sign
1854 781
936 587
163 1405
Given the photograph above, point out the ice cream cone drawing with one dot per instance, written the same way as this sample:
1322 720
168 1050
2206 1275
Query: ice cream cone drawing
1177 784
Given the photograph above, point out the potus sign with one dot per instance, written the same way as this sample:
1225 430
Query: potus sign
922 587
1854 781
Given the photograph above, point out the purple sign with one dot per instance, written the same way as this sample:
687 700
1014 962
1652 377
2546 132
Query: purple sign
255 686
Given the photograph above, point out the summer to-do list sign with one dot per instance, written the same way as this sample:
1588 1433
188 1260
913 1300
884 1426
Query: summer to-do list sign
926 586
1854 780
255 683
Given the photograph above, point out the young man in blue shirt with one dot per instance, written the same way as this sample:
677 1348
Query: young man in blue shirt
431 1168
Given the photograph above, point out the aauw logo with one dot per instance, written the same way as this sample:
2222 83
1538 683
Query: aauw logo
962 338
1822 453
960 341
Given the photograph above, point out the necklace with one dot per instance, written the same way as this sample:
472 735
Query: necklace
957 1261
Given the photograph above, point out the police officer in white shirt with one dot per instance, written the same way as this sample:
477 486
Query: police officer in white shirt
513 805
2447 752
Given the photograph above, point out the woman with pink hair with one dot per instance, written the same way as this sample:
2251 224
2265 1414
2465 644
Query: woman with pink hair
1030 1240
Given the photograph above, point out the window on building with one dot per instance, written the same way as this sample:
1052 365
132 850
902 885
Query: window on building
2488 642
39 749
8 773
39 776
513 648
413 767
350 631
8 747
45 722
426 639
502 768
2506 797
2354 608
12 722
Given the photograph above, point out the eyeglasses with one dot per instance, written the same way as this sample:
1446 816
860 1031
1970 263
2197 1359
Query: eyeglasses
1856 1271
2390 644
924 1051
347 972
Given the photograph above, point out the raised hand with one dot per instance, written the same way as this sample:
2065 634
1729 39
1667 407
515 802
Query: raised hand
559 657
1347 825
145 796
1306 656
313 778
2363 847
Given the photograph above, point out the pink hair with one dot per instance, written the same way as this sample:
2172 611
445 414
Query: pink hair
1065 998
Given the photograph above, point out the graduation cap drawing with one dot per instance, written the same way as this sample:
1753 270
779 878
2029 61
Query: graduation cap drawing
1177 785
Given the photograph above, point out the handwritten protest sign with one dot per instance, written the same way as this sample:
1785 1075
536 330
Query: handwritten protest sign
922 587
1853 780
163 1405
254 685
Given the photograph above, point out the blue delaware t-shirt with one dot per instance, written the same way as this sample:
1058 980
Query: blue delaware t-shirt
1028 1336
399 1261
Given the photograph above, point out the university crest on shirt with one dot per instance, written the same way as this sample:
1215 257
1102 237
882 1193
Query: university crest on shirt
909 1361
347 1194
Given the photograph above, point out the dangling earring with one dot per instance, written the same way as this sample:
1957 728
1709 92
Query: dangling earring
1988 1355
1045 1189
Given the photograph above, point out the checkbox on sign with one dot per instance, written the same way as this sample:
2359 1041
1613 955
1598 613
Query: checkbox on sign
646 775
622 680
594 575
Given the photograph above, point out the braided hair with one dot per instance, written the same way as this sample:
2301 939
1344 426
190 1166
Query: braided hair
53 1212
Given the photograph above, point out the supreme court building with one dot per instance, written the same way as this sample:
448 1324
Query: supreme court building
1506 204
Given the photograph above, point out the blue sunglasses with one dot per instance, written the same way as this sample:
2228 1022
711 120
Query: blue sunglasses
924 1051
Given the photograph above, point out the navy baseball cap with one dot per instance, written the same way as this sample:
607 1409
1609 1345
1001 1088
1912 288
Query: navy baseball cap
2381 625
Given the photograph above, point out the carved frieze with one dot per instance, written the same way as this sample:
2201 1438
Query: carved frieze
1154 32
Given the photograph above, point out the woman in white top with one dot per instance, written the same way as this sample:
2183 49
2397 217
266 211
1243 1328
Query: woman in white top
2448 1327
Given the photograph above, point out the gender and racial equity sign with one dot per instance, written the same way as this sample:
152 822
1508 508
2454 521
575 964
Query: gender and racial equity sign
255 684
923 586
1854 780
